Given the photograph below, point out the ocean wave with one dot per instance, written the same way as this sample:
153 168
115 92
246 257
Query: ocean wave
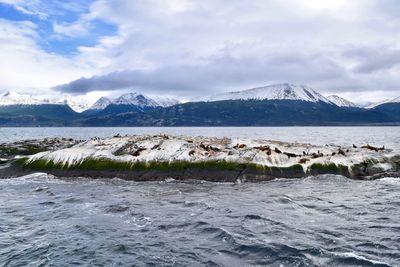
279 223
35 178
354 259
390 180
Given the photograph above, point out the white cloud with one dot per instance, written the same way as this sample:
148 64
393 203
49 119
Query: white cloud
30 7
218 45
70 29
25 67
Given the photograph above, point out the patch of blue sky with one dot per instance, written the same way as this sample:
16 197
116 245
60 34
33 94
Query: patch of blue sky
8 12
68 46
51 42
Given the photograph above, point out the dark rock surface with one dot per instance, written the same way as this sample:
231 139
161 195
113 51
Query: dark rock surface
29 147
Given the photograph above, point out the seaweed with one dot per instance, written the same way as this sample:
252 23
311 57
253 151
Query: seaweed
107 164
331 167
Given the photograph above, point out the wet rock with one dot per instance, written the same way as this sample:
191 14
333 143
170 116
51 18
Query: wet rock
30 147
138 151
155 147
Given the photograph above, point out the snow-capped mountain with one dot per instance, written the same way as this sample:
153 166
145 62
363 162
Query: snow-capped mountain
77 105
14 98
134 99
283 91
166 102
102 103
340 101
387 101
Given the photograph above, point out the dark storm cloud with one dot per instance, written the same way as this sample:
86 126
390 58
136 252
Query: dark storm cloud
223 72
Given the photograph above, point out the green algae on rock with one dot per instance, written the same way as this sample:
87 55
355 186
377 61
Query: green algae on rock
145 157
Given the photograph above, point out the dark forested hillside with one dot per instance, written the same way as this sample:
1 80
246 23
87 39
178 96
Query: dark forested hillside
219 113
37 115
244 113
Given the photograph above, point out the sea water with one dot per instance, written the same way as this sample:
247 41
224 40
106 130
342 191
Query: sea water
317 221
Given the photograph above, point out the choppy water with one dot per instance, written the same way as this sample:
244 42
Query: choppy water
379 136
320 221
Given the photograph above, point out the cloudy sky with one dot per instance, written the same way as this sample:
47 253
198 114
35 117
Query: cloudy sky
190 48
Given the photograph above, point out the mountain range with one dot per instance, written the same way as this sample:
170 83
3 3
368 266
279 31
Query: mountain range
273 92
133 99
13 98
280 104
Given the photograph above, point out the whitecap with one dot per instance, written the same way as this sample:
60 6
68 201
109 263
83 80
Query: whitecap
35 178
390 180
359 257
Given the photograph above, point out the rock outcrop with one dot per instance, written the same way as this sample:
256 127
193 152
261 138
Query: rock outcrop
159 157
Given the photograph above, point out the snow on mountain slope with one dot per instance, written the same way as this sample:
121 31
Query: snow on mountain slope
14 98
340 101
79 105
394 100
135 99
283 91
75 104
102 103
166 102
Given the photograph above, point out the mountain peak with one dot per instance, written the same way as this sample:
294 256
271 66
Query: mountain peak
387 101
15 98
101 103
281 91
340 101
12 94
129 95
8 93
77 105
166 102
134 99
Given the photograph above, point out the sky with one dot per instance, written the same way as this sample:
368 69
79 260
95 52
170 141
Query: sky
188 48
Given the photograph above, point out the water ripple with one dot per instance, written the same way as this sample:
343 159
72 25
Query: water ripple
319 221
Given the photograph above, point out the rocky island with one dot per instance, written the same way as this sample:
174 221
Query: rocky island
158 157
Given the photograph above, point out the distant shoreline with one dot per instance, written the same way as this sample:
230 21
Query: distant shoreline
397 124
